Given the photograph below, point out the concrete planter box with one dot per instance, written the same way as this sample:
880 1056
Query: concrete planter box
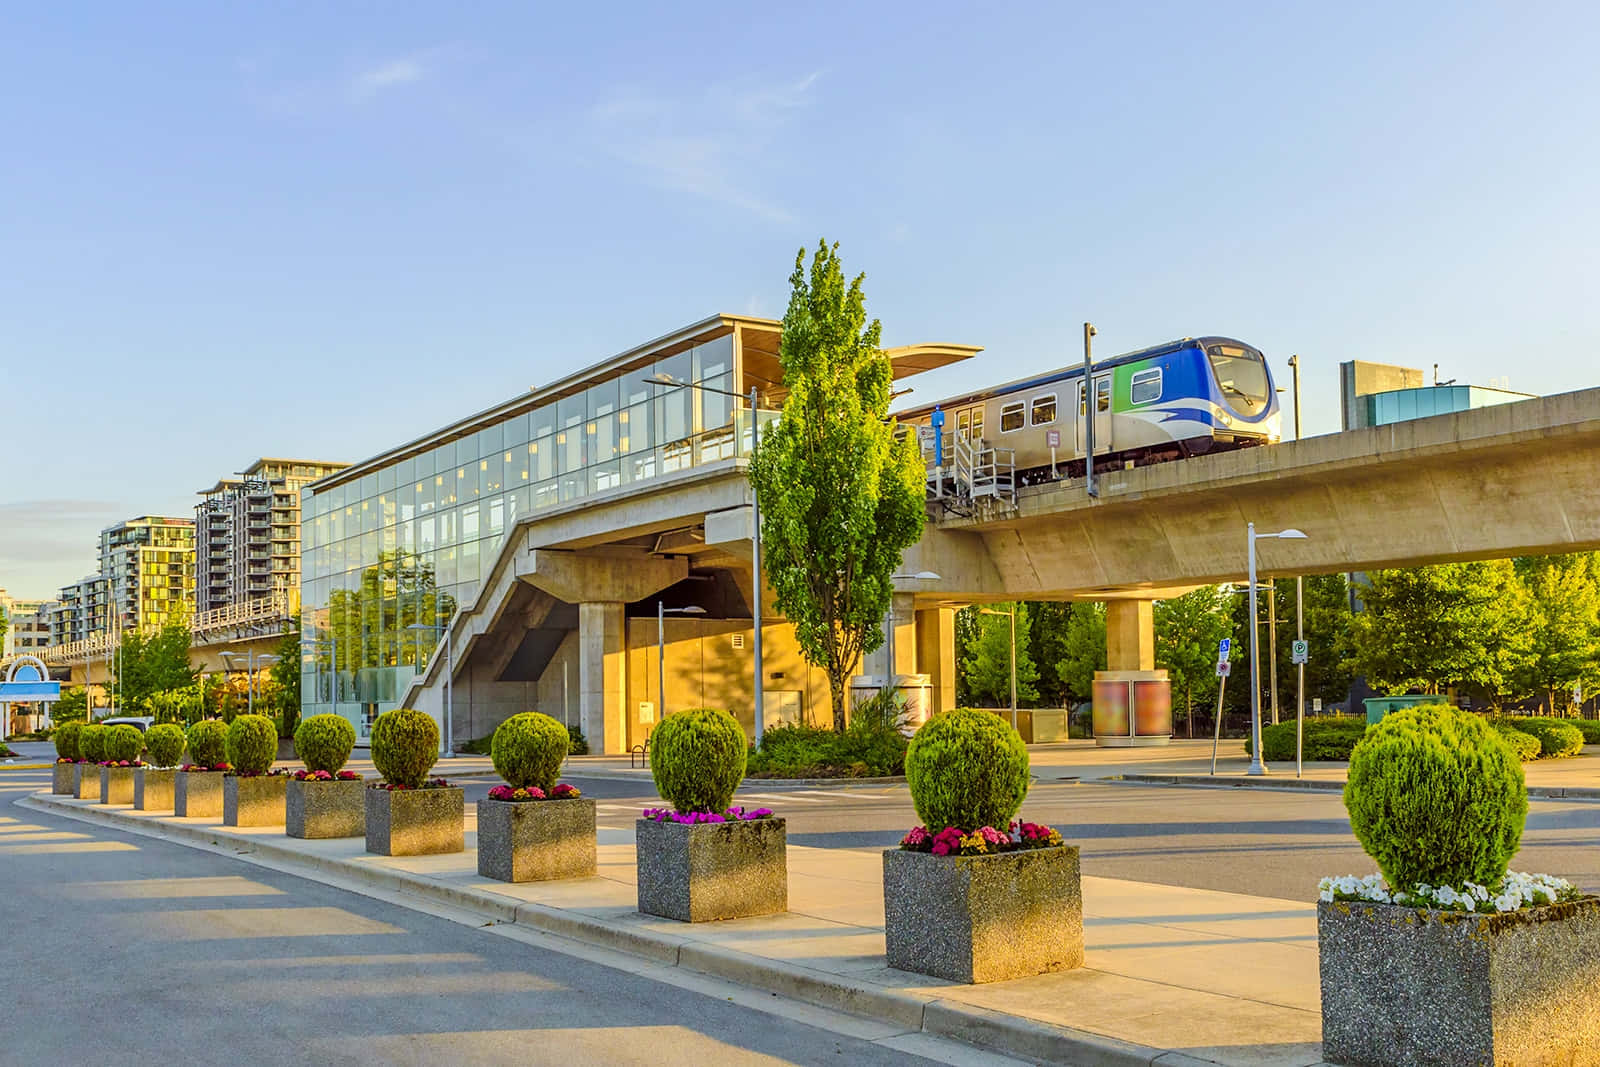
1416 986
415 822
152 788
116 785
253 801
536 840
983 918
197 794
707 871
86 781
326 809
61 778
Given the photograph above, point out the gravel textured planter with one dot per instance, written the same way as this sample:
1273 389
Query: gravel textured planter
86 781
197 794
536 840
116 785
415 822
1415 986
325 809
983 918
706 871
152 789
254 801
61 778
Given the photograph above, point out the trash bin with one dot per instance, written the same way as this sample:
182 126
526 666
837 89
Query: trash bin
1378 707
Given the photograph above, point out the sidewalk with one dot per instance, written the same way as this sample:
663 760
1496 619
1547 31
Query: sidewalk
1173 975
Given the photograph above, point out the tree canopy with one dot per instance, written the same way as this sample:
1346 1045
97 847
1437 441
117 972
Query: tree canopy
987 666
151 662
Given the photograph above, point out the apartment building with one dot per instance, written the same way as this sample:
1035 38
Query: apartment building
27 626
148 566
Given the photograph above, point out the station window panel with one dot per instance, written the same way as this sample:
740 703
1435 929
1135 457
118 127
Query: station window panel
369 486
368 549
636 387
387 539
712 359
497 515
491 439
469 522
445 566
427 533
633 429
677 456
542 421
601 432
546 494
449 527
491 471
573 485
1011 418
605 476
639 465
405 471
542 458
571 411
674 415
1043 410
1145 387
569 447
467 562
716 408
513 468
679 368
601 399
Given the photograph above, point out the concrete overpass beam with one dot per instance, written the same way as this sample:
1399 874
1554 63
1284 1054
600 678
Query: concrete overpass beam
1130 635
577 577
602 675
730 531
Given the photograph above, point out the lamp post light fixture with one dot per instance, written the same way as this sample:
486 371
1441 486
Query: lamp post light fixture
661 656
1291 534
449 684
1013 614
250 660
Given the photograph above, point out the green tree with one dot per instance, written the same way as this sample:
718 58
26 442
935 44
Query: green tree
841 499
1084 651
1188 630
968 631
1563 627
182 706
72 707
286 679
152 662
988 665
1327 630
1047 644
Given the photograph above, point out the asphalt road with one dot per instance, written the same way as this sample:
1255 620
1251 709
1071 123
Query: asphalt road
123 949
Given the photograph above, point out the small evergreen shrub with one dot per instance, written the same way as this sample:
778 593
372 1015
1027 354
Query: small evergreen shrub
324 742
528 750
577 744
252 744
1589 728
208 743
122 742
967 769
697 758
1526 746
1436 797
405 746
67 740
165 744
92 742
1558 738
1329 739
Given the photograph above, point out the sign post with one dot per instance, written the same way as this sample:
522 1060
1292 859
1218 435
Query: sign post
1052 438
1223 667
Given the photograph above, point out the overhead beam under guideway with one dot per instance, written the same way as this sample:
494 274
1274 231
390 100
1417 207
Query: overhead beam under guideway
1514 479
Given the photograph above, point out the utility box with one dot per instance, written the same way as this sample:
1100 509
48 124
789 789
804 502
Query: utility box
917 691
1378 707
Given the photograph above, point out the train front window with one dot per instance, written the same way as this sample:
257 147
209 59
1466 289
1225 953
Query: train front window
1242 375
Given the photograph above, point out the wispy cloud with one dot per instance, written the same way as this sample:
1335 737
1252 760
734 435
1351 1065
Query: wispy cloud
48 543
709 144
318 93
387 75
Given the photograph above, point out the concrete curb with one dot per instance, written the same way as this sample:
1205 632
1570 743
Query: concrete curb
996 1031
1317 785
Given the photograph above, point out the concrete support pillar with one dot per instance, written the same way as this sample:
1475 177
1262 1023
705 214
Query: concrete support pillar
1130 635
602 675
902 619
936 654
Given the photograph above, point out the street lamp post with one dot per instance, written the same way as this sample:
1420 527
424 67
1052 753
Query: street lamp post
1256 764
1013 614
251 660
661 656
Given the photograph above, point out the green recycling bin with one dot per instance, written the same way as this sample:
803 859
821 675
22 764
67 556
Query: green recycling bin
1378 707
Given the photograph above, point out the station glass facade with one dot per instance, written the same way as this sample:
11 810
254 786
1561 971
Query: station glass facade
393 547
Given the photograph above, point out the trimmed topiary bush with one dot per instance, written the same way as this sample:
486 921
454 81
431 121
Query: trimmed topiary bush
1589 728
324 742
1437 798
528 750
208 743
967 769
1329 739
67 740
252 744
122 742
577 745
92 742
405 746
1526 746
1558 738
165 744
697 758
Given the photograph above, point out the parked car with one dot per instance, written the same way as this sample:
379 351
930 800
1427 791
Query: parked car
142 722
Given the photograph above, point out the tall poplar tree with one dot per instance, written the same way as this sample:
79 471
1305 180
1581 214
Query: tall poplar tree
841 499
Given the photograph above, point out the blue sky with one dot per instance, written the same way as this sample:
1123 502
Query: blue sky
318 230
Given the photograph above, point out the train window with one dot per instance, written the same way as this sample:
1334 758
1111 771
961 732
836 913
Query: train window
1242 374
1043 410
1011 417
1102 395
1083 403
1146 386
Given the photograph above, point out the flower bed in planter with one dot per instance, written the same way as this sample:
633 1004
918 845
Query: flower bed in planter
153 788
197 791
321 805
61 777
254 799
116 781
426 821
705 866
526 836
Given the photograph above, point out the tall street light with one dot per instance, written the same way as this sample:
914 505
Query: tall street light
1013 614
1256 765
251 659
661 656
449 685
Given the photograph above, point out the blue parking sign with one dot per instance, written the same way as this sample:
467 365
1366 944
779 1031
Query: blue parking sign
1223 647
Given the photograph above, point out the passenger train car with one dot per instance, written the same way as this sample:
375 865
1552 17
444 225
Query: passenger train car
1184 398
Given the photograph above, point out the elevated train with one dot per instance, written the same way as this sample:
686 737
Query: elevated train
1183 398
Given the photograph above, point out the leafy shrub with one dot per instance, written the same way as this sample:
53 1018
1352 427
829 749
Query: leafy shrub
92 742
1436 797
122 742
528 750
795 751
324 742
697 758
967 769
1526 746
67 740
478 746
1325 739
1558 738
252 744
165 743
1589 728
405 746
577 744
208 742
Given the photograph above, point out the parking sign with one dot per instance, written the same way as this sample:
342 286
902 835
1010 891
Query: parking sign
1223 648
1301 652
